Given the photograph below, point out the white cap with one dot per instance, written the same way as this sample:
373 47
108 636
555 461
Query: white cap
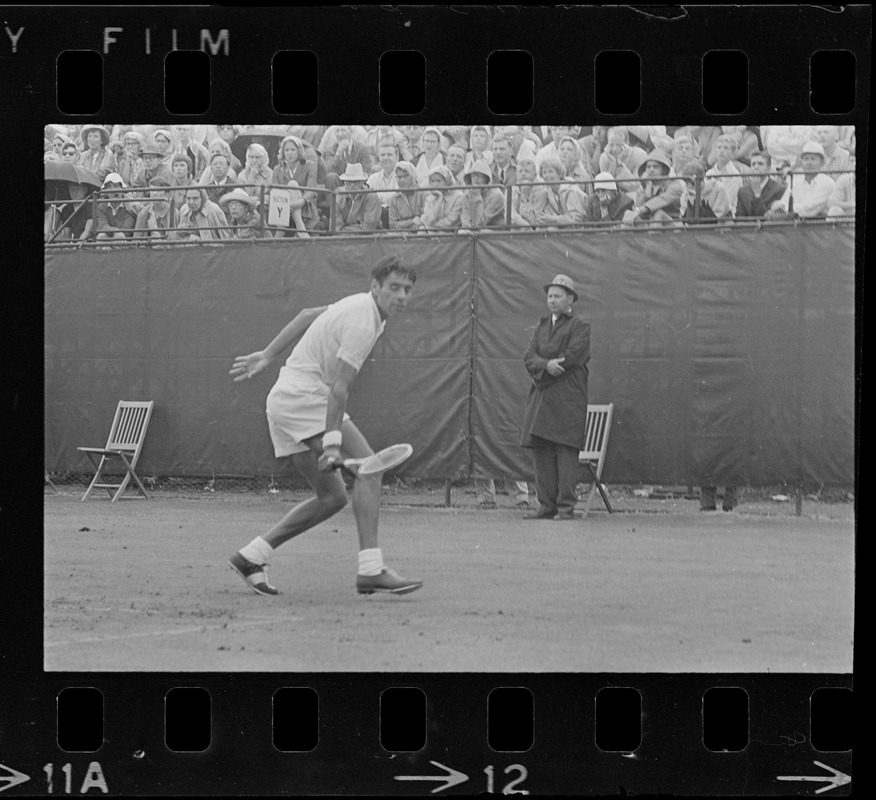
605 180
813 147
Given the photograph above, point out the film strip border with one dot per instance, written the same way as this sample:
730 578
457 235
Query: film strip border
685 62
549 734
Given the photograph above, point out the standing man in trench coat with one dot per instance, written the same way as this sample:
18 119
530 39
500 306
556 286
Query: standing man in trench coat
555 420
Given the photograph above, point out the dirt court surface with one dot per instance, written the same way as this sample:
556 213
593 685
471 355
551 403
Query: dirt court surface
656 587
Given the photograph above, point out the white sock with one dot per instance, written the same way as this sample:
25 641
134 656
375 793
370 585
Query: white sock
258 551
370 561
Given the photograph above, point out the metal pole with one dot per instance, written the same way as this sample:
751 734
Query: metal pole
697 197
333 213
508 191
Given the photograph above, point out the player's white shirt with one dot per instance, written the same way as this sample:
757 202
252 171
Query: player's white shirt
346 330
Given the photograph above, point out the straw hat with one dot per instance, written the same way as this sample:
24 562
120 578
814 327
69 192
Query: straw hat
354 172
656 155
239 195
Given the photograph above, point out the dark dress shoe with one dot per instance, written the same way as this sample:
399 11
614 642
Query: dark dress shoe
541 515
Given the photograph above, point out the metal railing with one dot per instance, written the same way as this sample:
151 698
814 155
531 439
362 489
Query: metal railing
328 209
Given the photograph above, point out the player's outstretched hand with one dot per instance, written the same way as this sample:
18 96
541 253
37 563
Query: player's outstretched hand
247 366
330 455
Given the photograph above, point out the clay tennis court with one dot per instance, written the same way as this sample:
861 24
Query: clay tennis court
658 586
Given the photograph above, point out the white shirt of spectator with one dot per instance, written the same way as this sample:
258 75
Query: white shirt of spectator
730 183
810 197
345 331
424 167
379 180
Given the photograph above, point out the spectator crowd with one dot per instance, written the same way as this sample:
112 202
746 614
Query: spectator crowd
212 182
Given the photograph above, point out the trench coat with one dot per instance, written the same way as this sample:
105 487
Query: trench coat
556 409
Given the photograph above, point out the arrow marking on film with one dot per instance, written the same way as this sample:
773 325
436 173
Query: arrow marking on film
452 777
837 779
11 777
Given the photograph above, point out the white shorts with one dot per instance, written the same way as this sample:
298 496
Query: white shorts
296 409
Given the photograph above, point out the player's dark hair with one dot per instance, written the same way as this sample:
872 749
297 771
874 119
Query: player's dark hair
389 264
762 154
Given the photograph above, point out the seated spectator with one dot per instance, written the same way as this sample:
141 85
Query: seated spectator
97 158
607 203
218 178
784 143
557 203
384 178
656 200
455 162
131 165
502 169
200 218
379 133
807 195
714 200
592 147
181 167
295 170
117 149
442 202
842 199
256 173
570 158
835 156
481 208
51 155
240 211
405 207
187 146
760 190
163 141
725 170
521 146
356 212
479 147
413 142
431 156
344 150
522 213
746 141
154 167
846 137
228 135
682 153
58 141
220 146
621 160
70 153
552 148
157 214
114 218
456 135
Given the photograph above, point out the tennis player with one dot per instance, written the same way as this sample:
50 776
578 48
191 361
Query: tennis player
308 422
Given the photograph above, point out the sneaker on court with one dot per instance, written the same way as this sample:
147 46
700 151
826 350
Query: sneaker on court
255 575
387 581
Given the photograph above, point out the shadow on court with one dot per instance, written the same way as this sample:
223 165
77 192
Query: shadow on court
144 586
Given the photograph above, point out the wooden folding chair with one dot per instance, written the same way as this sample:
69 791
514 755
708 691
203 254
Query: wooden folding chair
125 443
596 445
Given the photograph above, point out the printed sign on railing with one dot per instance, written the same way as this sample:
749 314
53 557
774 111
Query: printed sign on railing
278 207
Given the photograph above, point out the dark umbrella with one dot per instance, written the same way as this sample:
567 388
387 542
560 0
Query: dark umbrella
59 171
268 136
58 177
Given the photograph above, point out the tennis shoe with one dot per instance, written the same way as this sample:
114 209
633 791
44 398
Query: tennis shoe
255 575
388 581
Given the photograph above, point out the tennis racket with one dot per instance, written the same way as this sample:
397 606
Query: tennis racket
383 460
